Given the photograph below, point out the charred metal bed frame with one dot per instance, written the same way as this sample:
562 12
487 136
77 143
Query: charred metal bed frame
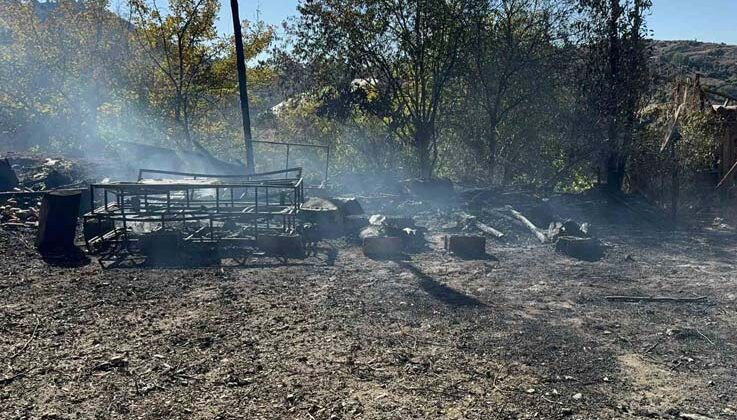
227 211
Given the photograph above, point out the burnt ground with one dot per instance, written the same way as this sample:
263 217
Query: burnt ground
525 333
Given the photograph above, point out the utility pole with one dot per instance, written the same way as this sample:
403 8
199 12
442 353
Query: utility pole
242 86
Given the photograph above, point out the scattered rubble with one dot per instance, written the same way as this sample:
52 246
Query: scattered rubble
19 212
410 338
24 181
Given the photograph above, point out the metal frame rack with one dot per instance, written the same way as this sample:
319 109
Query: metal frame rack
224 210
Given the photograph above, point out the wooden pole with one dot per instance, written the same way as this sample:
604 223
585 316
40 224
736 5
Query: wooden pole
242 86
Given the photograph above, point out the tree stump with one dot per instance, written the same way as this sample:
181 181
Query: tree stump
586 249
323 213
57 222
466 246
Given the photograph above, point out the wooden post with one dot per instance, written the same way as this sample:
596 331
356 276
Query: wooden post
242 86
58 220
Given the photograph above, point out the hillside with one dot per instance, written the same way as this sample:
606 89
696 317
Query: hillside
717 62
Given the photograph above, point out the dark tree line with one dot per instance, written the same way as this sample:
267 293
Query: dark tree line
500 89
541 92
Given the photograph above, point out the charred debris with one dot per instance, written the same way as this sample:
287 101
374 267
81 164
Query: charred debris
172 218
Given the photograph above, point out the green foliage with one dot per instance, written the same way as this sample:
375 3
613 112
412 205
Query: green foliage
77 77
527 92
406 51
56 65
699 141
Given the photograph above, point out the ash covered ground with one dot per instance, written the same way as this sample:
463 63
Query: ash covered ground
525 332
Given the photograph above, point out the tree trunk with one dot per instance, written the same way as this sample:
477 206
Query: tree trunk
491 141
425 164
423 140
614 172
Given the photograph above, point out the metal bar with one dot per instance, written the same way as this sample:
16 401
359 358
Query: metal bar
291 144
92 199
121 197
287 164
242 86
217 200
201 175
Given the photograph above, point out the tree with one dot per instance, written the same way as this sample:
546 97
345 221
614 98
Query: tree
406 51
183 45
615 79
512 63
58 70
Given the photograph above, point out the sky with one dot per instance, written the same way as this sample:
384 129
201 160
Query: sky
701 20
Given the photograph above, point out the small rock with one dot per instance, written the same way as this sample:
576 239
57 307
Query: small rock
116 362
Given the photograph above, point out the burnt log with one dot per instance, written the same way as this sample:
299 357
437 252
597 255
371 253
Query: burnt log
489 230
541 214
58 220
586 249
528 224
466 246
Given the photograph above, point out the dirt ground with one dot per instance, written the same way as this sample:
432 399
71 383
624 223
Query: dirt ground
524 333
